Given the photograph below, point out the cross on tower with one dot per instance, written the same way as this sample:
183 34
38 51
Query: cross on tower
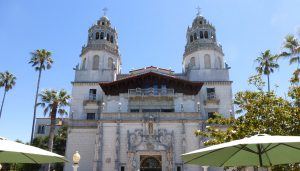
198 11
104 11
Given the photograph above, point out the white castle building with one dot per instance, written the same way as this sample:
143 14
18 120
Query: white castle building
145 119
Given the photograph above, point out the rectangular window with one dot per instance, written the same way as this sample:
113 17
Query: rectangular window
211 115
167 110
41 129
90 116
122 168
211 94
92 94
178 168
134 110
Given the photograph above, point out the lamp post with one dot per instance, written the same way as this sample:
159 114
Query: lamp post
119 106
76 159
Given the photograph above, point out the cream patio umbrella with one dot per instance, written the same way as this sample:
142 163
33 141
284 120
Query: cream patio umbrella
14 152
258 150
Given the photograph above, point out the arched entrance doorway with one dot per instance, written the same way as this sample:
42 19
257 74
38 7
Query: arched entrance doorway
150 163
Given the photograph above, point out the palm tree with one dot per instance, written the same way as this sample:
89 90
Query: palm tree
267 64
40 60
53 102
7 80
292 47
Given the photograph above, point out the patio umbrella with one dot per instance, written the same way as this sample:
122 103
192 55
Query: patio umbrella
258 150
14 152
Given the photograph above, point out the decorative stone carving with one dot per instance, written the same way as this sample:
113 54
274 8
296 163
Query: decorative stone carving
164 137
160 141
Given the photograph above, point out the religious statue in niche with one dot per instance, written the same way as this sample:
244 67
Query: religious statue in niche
150 127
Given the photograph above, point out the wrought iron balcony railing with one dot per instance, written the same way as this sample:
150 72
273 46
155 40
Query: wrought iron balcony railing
151 92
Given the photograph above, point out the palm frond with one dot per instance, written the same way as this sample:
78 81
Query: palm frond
40 58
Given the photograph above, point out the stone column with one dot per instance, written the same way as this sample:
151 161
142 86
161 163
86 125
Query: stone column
98 148
117 161
183 141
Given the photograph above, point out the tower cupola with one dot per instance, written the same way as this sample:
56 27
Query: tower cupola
203 58
102 36
100 57
202 35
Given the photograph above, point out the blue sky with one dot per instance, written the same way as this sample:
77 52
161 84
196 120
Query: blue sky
150 33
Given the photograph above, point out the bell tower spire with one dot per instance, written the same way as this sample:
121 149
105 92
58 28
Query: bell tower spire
203 56
101 54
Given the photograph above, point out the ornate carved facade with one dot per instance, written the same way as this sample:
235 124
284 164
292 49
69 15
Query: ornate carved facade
145 119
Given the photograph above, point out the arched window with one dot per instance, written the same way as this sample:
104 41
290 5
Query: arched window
103 23
213 36
195 36
150 163
206 35
192 62
96 62
102 35
97 35
83 66
111 39
107 37
191 38
201 34
110 63
207 62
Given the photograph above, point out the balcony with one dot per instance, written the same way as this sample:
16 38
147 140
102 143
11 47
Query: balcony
91 99
163 92
211 99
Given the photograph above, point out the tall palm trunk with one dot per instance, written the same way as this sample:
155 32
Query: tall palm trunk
35 102
2 102
268 82
52 126
52 130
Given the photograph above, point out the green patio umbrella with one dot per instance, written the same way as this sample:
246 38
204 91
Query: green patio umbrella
14 152
259 150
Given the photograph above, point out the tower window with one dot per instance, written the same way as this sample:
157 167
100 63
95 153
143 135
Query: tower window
191 38
107 37
110 63
211 93
90 116
111 39
192 62
92 94
95 62
103 23
195 36
97 35
207 62
218 62
206 35
83 66
201 34
200 22
102 35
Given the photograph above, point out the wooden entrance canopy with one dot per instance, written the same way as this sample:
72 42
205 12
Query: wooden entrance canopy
150 79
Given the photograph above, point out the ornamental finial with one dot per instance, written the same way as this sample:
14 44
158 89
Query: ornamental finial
104 11
198 11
